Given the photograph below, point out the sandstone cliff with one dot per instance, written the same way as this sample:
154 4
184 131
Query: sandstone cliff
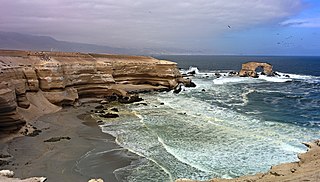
34 83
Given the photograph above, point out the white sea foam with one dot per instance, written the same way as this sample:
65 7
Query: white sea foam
224 80
296 76
177 155
275 79
191 69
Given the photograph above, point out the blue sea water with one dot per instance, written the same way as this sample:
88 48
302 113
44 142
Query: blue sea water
225 127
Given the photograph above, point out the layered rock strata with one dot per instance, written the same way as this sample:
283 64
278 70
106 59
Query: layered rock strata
249 69
28 80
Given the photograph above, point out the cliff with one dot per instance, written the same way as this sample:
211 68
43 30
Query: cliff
36 83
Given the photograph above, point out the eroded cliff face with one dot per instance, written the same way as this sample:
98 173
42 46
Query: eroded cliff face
249 69
29 79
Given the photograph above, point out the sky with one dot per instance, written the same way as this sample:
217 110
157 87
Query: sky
246 27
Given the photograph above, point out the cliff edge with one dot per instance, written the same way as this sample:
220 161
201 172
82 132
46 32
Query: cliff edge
36 83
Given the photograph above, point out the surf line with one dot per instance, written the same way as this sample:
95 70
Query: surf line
167 148
150 159
140 154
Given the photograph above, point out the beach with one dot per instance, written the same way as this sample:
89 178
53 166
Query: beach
61 160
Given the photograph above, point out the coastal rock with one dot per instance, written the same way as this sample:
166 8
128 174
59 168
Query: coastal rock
114 109
66 78
109 115
96 180
7 176
57 139
249 69
178 89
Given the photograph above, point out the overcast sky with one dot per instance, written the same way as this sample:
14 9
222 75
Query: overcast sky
210 26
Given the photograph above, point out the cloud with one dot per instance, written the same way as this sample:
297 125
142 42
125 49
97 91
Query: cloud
141 23
302 22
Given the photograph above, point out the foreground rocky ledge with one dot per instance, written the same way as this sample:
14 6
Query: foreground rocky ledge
37 83
307 169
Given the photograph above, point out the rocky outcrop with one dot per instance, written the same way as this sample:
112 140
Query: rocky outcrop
7 176
65 78
249 69
307 169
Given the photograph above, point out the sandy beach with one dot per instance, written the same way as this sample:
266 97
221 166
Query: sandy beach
70 158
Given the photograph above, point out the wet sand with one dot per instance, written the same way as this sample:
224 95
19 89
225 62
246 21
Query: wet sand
83 153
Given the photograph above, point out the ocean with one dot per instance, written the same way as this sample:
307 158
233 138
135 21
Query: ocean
225 127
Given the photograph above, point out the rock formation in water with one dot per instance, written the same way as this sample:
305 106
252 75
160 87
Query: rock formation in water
36 83
249 69
307 169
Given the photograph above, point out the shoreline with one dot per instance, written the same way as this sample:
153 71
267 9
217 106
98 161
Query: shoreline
79 158
76 157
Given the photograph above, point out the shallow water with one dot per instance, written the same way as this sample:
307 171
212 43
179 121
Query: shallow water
225 127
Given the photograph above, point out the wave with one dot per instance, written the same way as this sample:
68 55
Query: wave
174 153
224 80
223 76
283 77
275 79
305 78
191 70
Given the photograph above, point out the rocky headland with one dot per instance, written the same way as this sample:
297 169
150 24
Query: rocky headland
37 83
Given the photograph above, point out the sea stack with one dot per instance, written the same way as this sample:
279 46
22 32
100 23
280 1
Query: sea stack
249 69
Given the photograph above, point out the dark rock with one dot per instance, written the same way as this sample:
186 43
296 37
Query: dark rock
130 99
57 139
29 130
111 98
218 75
34 133
115 109
161 103
231 73
275 73
109 115
287 76
177 89
4 162
5 156
203 90
191 72
190 84
99 111
99 107
99 121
